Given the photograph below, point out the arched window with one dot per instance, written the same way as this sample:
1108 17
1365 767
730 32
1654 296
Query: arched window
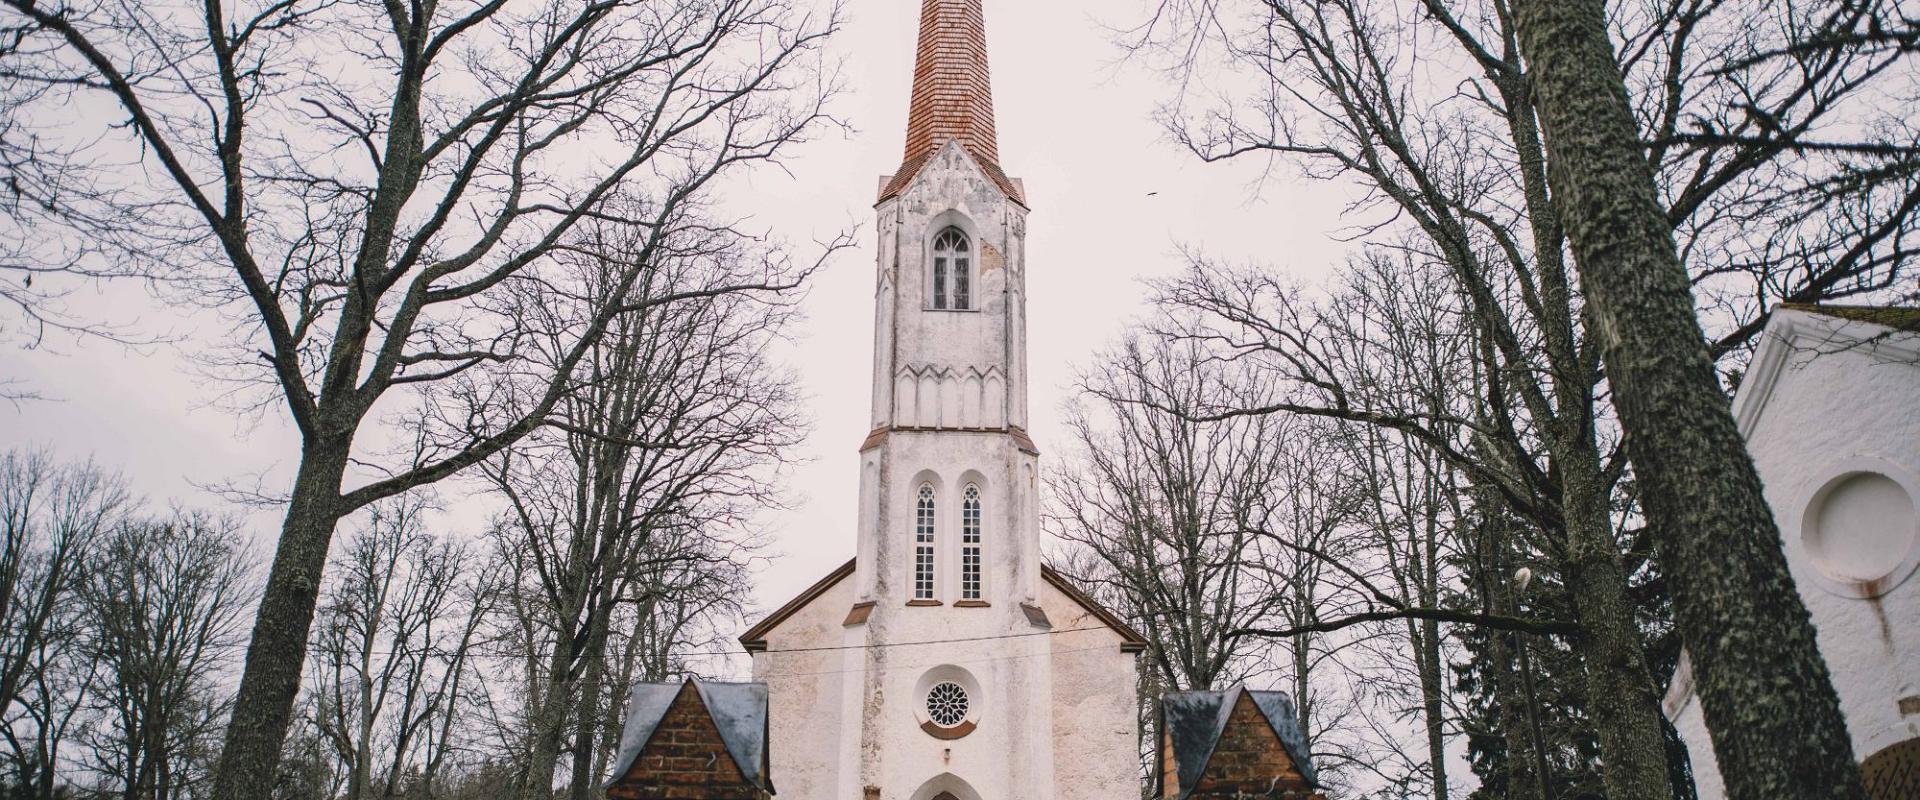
970 544
952 271
923 545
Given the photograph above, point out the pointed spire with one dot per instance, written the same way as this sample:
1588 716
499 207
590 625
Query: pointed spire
952 95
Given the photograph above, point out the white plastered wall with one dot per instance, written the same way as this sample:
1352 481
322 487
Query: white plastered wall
947 387
1094 690
806 692
1817 407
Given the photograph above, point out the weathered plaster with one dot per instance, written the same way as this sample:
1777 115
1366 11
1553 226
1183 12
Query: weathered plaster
1053 711
806 696
1094 693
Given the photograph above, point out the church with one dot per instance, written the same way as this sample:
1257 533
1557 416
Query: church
945 661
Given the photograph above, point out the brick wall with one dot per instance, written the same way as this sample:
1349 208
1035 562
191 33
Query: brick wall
1250 762
685 760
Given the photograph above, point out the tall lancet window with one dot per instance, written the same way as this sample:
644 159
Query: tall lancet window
952 271
923 545
970 544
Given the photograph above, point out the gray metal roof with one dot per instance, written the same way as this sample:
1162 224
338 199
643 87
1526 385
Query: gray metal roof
738 710
1194 721
1286 724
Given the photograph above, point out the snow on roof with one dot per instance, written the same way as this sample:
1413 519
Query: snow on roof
1896 317
1194 722
738 710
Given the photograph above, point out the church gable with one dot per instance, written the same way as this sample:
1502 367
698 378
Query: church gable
755 639
1796 330
953 157
699 741
1089 611
1131 641
1236 743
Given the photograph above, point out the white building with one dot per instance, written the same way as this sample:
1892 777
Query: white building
945 662
1831 411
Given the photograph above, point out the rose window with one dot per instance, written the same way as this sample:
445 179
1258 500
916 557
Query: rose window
947 704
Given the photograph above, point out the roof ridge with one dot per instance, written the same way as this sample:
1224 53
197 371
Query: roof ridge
1901 318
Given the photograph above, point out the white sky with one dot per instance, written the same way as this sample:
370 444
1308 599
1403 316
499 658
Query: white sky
1074 124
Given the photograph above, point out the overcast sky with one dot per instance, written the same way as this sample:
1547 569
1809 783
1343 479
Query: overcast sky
1111 197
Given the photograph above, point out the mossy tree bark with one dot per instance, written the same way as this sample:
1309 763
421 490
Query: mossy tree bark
1769 702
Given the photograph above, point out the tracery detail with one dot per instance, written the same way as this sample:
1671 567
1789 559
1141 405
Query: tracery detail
952 278
923 545
947 704
970 544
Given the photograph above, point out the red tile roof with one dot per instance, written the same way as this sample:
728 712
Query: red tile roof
952 94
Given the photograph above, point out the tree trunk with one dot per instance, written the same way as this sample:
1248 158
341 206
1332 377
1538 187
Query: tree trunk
585 747
1525 762
1426 567
1302 667
360 781
1427 657
270 682
1768 700
1519 718
1620 692
547 727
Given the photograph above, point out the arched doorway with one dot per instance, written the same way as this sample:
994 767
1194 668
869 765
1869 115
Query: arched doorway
946 786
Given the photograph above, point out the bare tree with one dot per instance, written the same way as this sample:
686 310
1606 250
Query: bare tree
1171 510
1770 705
1408 504
1785 172
361 221
1205 532
1429 107
697 591
674 436
1499 664
1317 502
164 600
40 263
397 636
52 517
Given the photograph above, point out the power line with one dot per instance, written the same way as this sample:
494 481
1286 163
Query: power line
344 652
891 667
961 640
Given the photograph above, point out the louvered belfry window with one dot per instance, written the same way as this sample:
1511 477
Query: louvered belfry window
952 278
923 545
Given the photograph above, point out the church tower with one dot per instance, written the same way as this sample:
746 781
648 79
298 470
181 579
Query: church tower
949 359
945 662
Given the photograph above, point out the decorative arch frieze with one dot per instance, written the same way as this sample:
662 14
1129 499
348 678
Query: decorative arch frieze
934 396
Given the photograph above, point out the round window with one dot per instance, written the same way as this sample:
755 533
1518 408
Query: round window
1860 527
947 704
